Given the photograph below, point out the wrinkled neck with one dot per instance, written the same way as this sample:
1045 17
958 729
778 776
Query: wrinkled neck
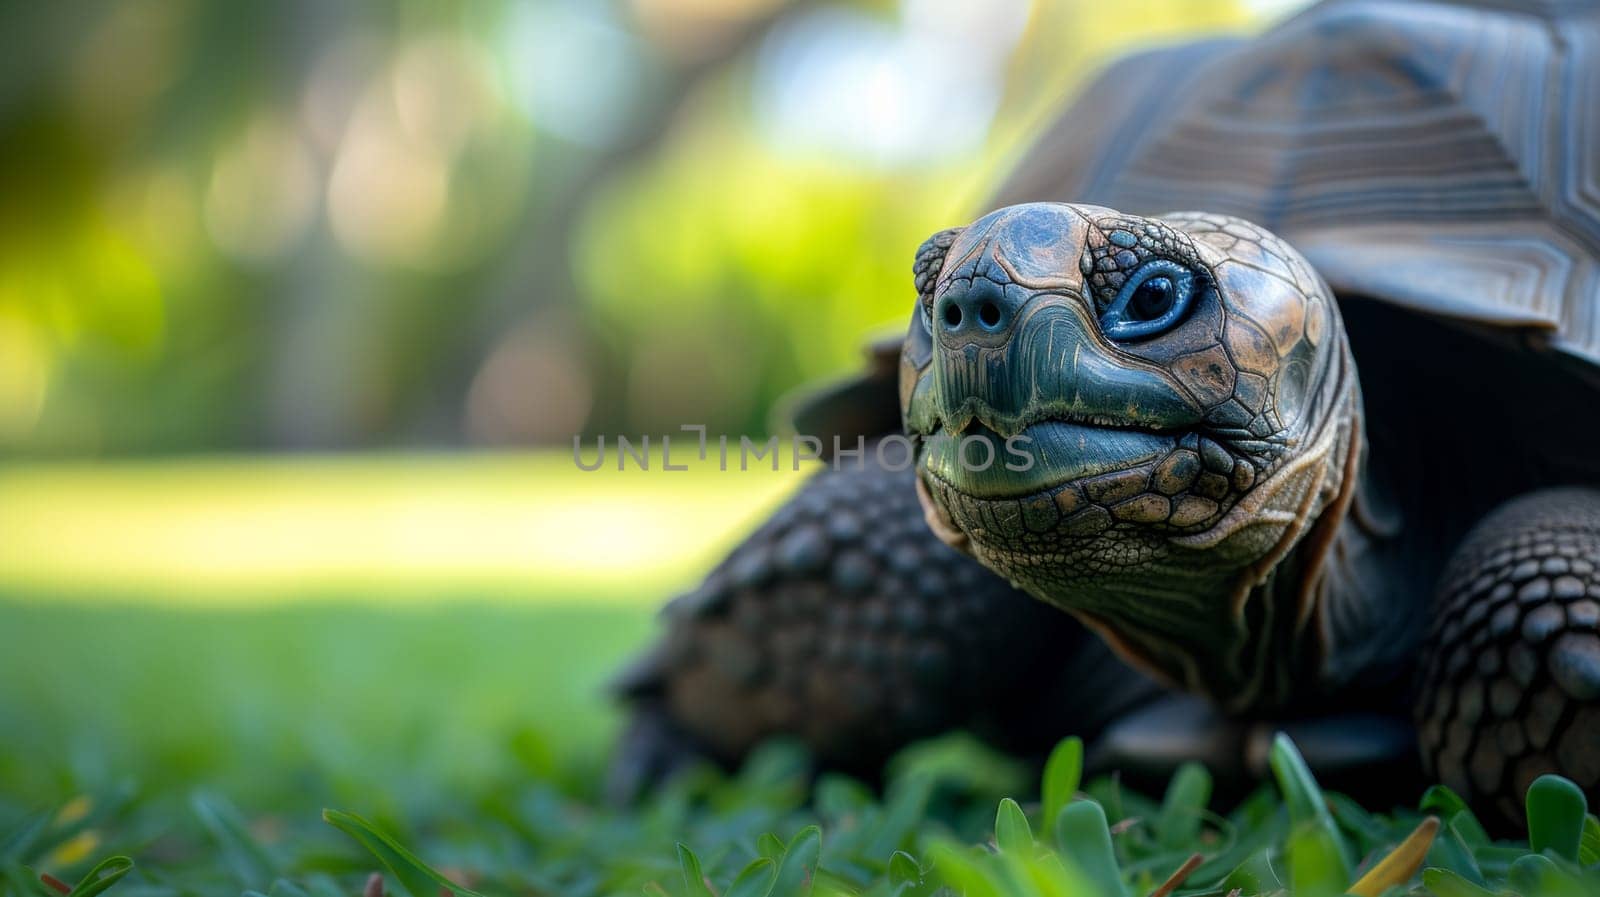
1240 613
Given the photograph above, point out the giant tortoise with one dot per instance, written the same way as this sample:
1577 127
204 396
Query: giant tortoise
1284 354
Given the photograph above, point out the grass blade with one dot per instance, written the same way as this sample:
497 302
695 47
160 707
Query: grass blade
908 801
1556 813
755 880
1536 875
903 869
1441 801
106 873
1316 863
1085 837
797 871
1254 875
1307 807
964 873
1011 831
770 846
1062 774
694 880
1183 807
1589 846
1451 851
1401 863
1444 883
251 863
417 877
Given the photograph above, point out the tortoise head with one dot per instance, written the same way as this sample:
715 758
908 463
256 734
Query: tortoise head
1135 419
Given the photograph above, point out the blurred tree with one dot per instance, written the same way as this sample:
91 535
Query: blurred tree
313 225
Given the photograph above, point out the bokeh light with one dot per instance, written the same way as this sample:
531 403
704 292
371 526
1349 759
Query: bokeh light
335 227
844 82
262 193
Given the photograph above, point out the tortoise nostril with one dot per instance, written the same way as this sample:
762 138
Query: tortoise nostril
952 314
989 314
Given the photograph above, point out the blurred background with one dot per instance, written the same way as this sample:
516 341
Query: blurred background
273 277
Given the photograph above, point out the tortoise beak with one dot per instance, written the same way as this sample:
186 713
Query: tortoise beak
1046 401
1049 363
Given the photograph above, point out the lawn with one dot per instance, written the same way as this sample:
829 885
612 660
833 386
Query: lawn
197 658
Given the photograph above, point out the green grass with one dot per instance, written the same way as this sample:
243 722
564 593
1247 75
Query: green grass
348 697
458 743
469 739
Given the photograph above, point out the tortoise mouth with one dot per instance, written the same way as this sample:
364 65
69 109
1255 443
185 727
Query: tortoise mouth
1043 457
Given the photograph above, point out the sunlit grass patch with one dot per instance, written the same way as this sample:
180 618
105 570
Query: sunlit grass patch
391 528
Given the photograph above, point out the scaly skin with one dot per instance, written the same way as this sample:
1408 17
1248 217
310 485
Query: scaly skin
1511 678
844 623
1187 484
1180 466
1194 496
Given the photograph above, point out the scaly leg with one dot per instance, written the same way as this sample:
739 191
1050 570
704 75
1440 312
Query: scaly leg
1511 668
845 623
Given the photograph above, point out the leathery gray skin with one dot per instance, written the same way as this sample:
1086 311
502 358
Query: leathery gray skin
1185 479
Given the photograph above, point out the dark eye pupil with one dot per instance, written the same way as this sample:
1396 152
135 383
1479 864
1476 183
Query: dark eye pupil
1152 299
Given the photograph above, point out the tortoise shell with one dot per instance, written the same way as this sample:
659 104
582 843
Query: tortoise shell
1438 163
1441 157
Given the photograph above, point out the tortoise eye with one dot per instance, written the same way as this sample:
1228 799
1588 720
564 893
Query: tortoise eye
1152 299
1150 302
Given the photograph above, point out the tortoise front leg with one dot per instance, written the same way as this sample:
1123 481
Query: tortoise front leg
1511 668
843 622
